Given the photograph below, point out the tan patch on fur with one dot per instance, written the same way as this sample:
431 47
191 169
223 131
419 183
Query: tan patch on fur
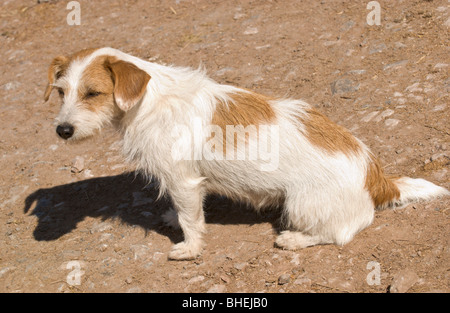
96 78
245 108
382 189
130 82
58 67
82 54
322 132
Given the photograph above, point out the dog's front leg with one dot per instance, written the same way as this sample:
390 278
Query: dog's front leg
188 202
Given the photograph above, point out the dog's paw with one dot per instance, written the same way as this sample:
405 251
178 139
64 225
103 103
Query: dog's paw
185 251
170 218
291 240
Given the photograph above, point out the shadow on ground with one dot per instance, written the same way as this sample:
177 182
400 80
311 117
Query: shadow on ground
126 197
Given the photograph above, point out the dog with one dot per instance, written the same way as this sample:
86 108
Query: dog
199 137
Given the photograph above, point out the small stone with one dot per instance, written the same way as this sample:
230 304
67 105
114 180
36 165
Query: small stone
140 251
305 281
357 72
395 65
384 114
5 270
196 279
284 279
403 281
11 86
378 48
240 266
369 116
217 289
251 31
414 88
447 22
441 65
238 16
391 122
134 290
77 165
88 174
100 227
103 247
263 47
347 25
343 85
225 278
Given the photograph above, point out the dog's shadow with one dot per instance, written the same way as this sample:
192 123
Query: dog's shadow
130 199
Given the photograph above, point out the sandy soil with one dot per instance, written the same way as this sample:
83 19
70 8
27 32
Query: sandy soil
96 227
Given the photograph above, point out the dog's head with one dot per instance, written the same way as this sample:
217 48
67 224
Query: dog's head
95 88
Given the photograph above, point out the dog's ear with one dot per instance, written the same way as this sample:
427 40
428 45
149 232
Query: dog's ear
56 69
130 82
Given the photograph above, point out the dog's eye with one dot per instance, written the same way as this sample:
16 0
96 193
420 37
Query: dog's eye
61 92
92 94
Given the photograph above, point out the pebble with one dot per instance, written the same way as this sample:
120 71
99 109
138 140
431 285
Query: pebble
134 290
343 85
295 259
284 279
439 107
77 165
11 86
263 47
403 281
303 281
217 289
384 114
5 270
357 72
447 22
441 65
100 227
369 116
196 279
140 251
395 65
225 278
391 122
240 266
414 88
251 31
238 16
378 48
347 25
88 174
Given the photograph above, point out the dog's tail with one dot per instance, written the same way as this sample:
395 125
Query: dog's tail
416 189
398 192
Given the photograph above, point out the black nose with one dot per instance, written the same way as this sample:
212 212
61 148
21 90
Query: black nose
65 131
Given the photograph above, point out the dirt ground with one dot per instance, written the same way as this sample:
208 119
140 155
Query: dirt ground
75 217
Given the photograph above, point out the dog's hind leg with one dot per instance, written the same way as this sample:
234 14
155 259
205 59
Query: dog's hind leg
187 199
293 240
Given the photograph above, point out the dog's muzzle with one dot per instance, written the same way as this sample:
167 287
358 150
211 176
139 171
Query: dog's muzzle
65 131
